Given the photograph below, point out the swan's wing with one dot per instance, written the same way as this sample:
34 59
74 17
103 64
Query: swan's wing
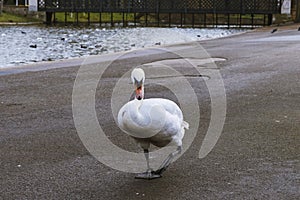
173 129
162 122
169 106
174 109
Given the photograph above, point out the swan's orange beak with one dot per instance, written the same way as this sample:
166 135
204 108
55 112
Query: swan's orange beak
139 93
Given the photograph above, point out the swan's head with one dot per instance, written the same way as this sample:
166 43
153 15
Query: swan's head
138 78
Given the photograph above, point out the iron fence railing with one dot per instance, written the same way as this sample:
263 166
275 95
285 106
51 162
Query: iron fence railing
163 6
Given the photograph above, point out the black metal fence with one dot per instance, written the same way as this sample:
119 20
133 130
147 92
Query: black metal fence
170 7
163 6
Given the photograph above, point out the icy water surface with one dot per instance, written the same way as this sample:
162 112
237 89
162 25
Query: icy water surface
29 44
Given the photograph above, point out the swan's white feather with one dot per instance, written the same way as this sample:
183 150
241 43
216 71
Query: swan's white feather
154 121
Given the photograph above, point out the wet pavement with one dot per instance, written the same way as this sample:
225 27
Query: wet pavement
256 157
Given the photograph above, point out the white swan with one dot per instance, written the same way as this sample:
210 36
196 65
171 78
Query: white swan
154 121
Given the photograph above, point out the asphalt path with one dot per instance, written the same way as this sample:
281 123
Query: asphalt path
257 155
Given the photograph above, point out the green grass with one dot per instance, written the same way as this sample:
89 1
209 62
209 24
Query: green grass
6 17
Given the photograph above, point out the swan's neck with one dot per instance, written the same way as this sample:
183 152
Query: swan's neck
138 103
137 116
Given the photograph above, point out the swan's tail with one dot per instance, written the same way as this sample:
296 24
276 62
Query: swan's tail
178 137
185 125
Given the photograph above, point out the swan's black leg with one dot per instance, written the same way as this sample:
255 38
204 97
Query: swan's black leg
149 174
168 161
146 153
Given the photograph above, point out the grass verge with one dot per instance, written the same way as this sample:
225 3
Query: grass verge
7 17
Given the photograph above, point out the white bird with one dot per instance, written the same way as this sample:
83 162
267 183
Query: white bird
153 121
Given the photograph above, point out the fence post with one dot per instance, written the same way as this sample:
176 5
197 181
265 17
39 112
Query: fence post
1 6
270 19
297 19
49 18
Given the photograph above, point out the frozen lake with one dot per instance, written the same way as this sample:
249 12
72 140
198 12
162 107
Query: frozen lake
28 44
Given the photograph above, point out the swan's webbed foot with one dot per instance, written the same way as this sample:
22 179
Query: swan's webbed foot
149 175
160 170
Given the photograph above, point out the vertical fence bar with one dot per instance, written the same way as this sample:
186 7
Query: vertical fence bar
214 15
252 21
228 21
270 19
1 6
157 12
54 17
297 11
241 11
112 19
100 18
181 20
66 18
100 13
77 18
193 20
48 18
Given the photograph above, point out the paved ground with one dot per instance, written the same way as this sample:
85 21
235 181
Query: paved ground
256 157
